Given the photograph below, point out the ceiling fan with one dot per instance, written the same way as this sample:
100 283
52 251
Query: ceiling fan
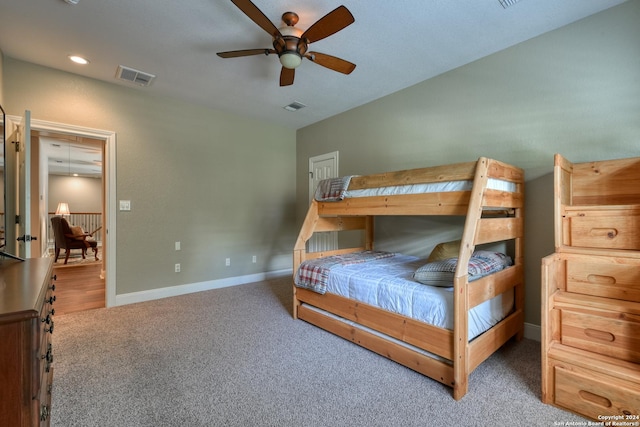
291 44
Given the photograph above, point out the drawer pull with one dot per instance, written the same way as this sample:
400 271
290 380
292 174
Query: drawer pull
599 335
594 398
44 412
601 280
610 233
49 355
50 330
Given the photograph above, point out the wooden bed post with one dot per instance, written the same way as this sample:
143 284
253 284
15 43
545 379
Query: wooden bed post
519 289
300 249
368 238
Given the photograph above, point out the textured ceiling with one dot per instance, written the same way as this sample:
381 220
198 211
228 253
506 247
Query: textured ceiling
395 44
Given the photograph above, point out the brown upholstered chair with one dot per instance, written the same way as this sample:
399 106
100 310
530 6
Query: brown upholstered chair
65 239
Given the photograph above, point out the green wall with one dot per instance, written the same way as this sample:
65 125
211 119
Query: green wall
574 91
222 185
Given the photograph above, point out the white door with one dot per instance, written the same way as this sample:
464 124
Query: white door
322 167
11 186
23 226
18 186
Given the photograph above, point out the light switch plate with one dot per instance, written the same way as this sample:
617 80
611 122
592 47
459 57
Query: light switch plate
125 205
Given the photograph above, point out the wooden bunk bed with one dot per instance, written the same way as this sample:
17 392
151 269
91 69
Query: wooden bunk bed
445 355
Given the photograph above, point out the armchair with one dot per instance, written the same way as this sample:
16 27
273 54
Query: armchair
66 239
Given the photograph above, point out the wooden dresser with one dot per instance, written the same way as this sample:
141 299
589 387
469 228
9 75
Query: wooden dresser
26 354
591 291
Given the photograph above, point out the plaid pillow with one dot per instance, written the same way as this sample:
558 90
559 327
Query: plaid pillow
441 273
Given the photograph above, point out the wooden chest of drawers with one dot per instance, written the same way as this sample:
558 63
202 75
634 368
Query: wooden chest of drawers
26 353
591 291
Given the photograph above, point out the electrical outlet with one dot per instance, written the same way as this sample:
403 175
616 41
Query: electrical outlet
227 262
254 259
177 268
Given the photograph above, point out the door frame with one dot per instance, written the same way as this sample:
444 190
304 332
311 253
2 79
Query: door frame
109 172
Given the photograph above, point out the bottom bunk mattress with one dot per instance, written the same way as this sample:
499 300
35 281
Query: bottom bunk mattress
387 282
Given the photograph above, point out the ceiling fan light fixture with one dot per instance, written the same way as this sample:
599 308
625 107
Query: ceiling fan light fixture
291 43
290 60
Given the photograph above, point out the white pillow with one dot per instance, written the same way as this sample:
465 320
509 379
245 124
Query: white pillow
441 273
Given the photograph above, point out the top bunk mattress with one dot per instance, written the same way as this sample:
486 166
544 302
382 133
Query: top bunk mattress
433 187
336 189
388 284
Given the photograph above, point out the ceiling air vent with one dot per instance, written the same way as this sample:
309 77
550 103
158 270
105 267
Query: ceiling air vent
507 3
294 106
134 76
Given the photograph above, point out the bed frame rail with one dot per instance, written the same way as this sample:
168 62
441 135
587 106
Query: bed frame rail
426 365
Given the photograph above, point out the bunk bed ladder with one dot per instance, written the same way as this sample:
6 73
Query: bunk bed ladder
461 291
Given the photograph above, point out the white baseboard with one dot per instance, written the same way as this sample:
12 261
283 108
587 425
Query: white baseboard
532 332
172 291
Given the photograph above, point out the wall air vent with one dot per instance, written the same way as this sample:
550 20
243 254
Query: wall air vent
134 76
507 3
294 106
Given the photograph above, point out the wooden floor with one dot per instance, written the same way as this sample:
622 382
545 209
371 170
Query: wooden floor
78 288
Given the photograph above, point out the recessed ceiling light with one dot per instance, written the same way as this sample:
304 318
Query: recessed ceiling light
78 59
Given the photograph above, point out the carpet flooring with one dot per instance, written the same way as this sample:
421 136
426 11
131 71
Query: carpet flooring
235 357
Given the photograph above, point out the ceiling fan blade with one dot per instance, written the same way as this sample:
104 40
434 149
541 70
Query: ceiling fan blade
331 62
331 23
256 15
245 52
286 76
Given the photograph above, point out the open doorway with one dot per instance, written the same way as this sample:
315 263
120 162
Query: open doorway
73 192
74 181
